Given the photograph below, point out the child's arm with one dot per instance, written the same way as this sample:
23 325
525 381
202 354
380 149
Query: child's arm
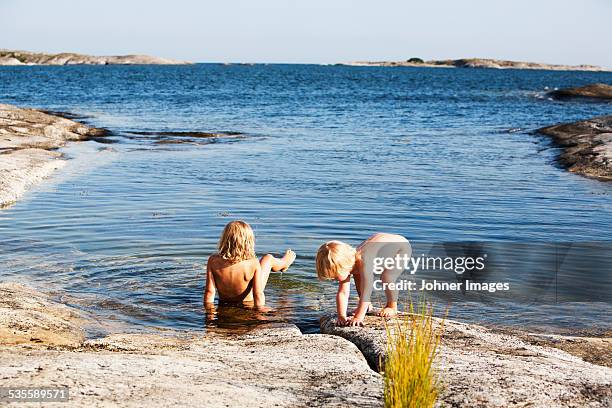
360 313
362 306
342 296
259 297
209 288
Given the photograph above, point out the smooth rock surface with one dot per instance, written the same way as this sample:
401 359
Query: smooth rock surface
28 138
274 365
16 57
483 368
593 91
587 146
31 317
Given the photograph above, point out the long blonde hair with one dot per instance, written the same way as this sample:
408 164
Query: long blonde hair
237 242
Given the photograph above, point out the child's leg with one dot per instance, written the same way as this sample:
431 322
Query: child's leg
267 264
277 264
390 309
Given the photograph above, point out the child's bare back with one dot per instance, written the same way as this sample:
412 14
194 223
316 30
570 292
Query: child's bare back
234 281
235 272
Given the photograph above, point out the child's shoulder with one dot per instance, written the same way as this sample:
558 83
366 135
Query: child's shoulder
214 259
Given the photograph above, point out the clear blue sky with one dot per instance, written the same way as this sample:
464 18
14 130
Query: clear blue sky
320 31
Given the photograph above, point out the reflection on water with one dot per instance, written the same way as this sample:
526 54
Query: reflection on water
327 153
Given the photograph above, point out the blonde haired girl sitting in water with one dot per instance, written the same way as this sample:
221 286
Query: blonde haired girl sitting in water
235 272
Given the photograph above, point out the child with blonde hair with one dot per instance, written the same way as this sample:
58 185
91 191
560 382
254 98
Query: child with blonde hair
339 261
235 272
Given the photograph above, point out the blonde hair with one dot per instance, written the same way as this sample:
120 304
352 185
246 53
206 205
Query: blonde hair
333 258
237 242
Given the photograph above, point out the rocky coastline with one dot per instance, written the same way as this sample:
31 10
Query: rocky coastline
16 57
44 342
587 146
475 63
29 140
482 367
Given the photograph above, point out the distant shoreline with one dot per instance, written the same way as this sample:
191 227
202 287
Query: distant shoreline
18 58
476 63
28 58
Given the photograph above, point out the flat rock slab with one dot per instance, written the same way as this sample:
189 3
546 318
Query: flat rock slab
483 368
28 139
587 146
30 317
273 366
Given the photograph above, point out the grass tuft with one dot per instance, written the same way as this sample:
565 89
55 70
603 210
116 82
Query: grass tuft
411 380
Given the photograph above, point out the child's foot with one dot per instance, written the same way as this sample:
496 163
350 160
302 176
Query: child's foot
370 309
288 259
388 312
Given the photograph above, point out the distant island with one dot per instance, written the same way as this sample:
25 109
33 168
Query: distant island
12 57
474 63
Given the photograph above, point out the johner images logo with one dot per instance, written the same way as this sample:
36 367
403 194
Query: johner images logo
396 266
489 271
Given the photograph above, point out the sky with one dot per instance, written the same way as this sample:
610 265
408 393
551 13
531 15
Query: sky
315 31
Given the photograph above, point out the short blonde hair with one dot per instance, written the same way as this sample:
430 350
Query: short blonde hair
334 258
237 242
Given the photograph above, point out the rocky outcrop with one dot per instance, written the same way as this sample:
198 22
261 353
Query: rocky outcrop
477 63
479 367
274 365
587 146
28 138
5 60
592 91
10 57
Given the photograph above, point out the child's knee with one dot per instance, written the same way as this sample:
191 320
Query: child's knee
267 258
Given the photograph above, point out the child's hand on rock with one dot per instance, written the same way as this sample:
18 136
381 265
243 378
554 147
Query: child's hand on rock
342 321
355 322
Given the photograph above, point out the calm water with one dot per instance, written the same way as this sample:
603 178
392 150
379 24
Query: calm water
323 152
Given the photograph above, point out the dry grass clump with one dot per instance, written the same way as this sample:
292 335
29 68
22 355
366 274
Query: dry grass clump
410 378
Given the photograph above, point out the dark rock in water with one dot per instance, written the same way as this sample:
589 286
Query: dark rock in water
593 91
188 134
66 115
103 139
587 146
187 137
